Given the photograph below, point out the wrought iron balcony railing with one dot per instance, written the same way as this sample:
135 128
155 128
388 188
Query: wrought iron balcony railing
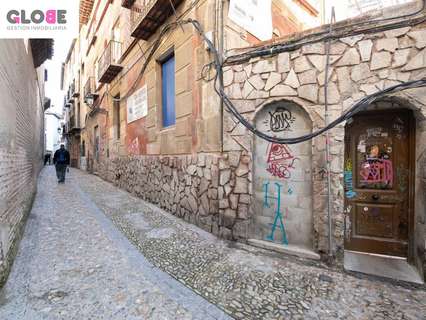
108 63
90 90
75 90
127 3
70 98
148 15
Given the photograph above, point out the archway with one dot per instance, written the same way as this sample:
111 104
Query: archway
282 177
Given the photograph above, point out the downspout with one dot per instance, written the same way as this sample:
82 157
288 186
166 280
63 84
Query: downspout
327 139
221 52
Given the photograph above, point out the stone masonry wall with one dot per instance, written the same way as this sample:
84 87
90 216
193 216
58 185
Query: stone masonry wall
215 190
21 144
208 190
359 65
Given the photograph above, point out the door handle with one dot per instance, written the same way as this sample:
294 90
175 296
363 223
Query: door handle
375 197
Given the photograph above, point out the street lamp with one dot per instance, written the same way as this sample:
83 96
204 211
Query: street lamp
90 100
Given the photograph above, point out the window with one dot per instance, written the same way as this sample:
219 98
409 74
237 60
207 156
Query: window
168 91
83 149
116 117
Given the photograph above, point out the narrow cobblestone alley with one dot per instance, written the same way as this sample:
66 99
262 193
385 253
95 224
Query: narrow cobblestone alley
73 263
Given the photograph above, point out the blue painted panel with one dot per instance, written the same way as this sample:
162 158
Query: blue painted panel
168 92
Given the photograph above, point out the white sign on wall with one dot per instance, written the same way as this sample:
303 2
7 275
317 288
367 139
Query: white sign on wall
137 105
255 16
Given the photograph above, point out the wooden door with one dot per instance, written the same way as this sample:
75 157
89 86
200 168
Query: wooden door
377 181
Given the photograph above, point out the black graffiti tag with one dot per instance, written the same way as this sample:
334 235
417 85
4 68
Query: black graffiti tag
281 120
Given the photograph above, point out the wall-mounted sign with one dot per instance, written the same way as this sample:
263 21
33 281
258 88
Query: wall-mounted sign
137 105
255 16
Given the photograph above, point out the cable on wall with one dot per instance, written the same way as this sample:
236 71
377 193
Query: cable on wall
218 66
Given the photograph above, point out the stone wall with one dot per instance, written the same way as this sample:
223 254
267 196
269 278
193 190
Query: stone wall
222 192
359 65
21 143
209 190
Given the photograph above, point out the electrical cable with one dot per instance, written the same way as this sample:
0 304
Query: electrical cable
218 66
323 36
348 114
154 46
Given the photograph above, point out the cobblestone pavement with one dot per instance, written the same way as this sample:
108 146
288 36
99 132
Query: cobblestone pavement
73 263
246 282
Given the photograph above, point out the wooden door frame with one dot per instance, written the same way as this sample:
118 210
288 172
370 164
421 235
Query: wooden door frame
411 187
411 167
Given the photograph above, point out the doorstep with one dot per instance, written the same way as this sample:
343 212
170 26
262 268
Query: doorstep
381 265
293 250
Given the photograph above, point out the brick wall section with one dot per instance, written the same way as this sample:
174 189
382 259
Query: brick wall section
21 144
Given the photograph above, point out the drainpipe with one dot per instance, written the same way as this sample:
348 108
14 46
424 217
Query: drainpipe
219 16
327 139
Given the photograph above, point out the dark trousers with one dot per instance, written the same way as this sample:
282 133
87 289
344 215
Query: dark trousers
60 171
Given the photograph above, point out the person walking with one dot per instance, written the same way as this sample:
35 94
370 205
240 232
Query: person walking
61 160
47 158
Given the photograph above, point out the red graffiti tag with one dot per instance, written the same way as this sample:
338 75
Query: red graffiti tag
133 147
280 160
377 171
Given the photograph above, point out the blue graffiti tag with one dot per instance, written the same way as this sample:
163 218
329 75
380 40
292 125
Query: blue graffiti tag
278 217
266 196
350 193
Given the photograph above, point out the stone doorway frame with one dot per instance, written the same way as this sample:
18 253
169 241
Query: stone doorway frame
414 268
317 227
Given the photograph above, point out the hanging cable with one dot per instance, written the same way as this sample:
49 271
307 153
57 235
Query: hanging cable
219 89
323 36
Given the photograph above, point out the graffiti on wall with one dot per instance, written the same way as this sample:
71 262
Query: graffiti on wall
348 179
133 147
280 119
280 160
266 196
278 218
377 171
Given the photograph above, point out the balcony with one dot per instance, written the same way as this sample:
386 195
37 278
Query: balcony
127 3
75 91
91 36
70 98
90 94
66 104
148 15
108 66
74 125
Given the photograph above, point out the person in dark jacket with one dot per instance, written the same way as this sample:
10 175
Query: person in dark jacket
61 160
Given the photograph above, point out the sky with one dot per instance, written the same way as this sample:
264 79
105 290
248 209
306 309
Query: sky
53 85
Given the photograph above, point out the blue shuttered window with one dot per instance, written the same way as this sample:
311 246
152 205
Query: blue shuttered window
168 92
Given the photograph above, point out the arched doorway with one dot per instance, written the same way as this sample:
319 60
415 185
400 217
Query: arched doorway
282 179
379 156
379 191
